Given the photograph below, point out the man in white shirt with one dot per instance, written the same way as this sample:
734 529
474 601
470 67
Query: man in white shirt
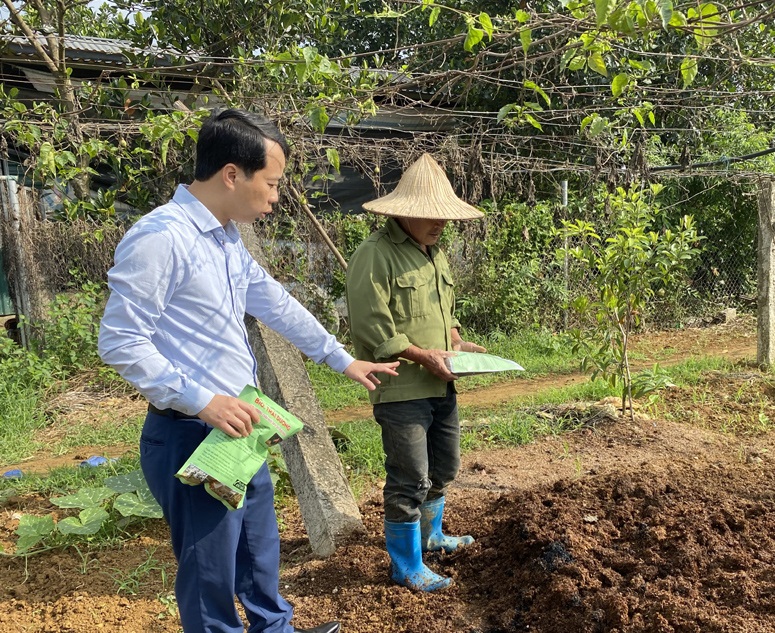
174 328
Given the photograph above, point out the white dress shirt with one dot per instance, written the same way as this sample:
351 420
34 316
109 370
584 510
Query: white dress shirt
174 324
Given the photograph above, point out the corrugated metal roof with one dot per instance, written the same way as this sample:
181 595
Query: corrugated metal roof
45 83
78 47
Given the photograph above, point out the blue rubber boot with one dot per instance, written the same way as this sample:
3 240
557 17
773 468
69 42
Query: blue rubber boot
406 566
433 540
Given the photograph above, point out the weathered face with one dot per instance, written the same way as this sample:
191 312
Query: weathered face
425 232
254 196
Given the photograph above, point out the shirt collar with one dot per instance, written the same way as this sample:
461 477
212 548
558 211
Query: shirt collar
398 235
199 214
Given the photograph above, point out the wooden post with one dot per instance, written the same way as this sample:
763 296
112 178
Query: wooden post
765 344
327 505
565 262
12 217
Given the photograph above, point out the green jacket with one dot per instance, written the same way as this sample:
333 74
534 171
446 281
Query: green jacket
398 296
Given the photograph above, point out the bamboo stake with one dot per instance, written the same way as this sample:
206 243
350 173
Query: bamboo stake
319 227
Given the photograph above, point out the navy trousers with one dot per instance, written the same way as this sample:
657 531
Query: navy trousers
221 553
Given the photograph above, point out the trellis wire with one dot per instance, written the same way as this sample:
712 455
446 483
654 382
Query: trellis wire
60 255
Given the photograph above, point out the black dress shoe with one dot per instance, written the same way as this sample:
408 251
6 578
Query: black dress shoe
328 627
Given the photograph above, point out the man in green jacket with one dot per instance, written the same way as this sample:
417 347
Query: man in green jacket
401 300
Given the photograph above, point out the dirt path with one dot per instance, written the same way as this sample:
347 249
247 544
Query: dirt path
735 341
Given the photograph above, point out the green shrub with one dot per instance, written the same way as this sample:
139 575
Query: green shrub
505 277
62 345
20 366
67 337
26 380
348 232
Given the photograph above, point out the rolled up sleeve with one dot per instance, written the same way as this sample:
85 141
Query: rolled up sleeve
368 300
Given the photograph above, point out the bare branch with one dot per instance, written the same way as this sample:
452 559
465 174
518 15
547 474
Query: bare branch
19 21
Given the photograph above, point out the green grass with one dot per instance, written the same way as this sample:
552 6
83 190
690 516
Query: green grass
361 454
508 424
721 396
363 459
334 390
690 372
21 415
538 351
65 479
515 423
126 431
131 581
511 423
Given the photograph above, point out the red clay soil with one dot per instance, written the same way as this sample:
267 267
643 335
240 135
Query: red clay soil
652 526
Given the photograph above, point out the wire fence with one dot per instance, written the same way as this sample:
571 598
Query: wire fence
515 292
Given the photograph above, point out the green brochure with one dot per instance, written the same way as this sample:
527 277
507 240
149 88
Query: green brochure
226 464
471 363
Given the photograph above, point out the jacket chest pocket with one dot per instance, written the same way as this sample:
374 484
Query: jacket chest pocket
414 295
447 290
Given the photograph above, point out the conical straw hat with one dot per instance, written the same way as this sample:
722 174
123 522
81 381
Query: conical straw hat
424 192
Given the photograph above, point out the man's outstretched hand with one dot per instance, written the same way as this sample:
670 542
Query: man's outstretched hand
365 372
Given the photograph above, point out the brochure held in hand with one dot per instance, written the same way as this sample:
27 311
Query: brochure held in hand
472 363
225 465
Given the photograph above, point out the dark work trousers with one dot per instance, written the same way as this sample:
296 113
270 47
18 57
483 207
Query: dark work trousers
221 553
421 439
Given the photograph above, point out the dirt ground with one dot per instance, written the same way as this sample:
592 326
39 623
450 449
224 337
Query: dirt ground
665 524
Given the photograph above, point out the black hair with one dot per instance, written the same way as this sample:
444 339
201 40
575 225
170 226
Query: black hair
235 136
